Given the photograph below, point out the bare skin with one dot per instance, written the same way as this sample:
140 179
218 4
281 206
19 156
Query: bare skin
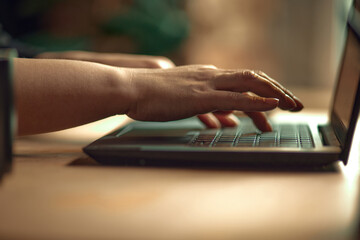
112 59
58 94
211 120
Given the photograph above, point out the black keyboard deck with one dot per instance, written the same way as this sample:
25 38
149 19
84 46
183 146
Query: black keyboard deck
283 135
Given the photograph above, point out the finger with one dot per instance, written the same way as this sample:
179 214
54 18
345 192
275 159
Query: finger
299 104
227 120
260 120
209 120
223 112
249 81
224 100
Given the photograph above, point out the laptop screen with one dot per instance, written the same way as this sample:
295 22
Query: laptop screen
346 102
348 80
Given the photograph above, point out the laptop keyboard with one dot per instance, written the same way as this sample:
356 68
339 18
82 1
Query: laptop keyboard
283 135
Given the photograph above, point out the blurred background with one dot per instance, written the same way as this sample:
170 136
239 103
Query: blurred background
296 42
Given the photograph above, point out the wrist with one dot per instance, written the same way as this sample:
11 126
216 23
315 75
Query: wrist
122 93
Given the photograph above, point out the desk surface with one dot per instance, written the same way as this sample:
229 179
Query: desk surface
56 192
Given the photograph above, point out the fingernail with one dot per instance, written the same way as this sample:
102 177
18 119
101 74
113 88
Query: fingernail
271 101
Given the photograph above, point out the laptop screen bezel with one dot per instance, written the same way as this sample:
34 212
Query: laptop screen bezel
344 135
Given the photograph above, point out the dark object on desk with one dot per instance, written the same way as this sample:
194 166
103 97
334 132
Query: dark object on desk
183 142
23 49
7 112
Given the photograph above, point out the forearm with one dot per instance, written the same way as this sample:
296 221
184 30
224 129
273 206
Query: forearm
102 58
52 95
112 59
57 94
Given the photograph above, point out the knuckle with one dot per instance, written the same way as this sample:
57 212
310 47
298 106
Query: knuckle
262 74
200 88
235 96
241 101
249 74
205 74
247 77
259 72
253 101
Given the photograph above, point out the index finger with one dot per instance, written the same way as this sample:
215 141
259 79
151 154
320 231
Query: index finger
249 81
299 104
260 120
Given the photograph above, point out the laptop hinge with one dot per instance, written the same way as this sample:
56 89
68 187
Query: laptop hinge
328 135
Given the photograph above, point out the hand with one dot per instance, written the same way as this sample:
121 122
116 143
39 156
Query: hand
139 61
227 119
180 92
212 120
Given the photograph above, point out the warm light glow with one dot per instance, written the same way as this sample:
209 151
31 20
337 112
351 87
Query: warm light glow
89 132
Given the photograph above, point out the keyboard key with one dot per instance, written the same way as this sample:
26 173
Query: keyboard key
292 145
223 144
202 144
244 144
281 136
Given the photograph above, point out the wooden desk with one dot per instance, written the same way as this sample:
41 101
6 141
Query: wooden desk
56 192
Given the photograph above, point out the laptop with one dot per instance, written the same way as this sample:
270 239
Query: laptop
7 115
187 142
